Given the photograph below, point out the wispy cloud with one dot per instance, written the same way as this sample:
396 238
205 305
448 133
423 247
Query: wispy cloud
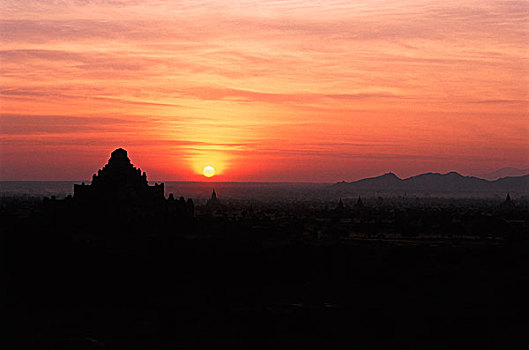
351 84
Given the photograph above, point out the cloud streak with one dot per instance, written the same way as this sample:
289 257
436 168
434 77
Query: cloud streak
266 84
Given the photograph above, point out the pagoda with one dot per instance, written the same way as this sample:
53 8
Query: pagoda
119 182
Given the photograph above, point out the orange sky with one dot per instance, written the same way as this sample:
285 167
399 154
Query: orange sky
263 90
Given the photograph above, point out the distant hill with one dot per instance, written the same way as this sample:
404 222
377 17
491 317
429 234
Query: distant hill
435 183
504 172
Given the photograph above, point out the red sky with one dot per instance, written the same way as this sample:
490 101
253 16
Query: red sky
263 90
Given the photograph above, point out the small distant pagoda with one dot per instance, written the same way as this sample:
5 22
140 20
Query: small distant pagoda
359 204
214 205
213 201
119 182
340 207
508 203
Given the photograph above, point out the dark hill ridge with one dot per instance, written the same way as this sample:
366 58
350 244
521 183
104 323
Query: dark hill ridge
504 172
435 182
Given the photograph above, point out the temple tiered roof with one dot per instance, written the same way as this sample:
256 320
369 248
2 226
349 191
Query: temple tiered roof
119 181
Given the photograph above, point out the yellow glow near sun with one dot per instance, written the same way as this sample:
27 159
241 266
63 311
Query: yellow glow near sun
208 171
208 163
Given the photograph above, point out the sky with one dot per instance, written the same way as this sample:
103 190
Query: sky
294 90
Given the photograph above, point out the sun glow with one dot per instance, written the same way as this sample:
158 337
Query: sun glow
209 164
208 171
264 90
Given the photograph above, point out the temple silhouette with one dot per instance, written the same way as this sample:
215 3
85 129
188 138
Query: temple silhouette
119 181
214 205
213 201
121 190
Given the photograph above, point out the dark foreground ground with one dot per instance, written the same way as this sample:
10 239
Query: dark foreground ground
77 279
181 292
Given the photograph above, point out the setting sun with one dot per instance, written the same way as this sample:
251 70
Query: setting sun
263 90
208 171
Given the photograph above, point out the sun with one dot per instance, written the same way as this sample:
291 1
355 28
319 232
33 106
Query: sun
208 171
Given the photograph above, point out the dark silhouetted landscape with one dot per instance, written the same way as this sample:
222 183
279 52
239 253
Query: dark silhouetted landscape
122 264
264 174
452 184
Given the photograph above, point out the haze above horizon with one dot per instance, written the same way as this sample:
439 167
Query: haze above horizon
263 90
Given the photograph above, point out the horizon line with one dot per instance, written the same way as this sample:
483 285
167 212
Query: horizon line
292 182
